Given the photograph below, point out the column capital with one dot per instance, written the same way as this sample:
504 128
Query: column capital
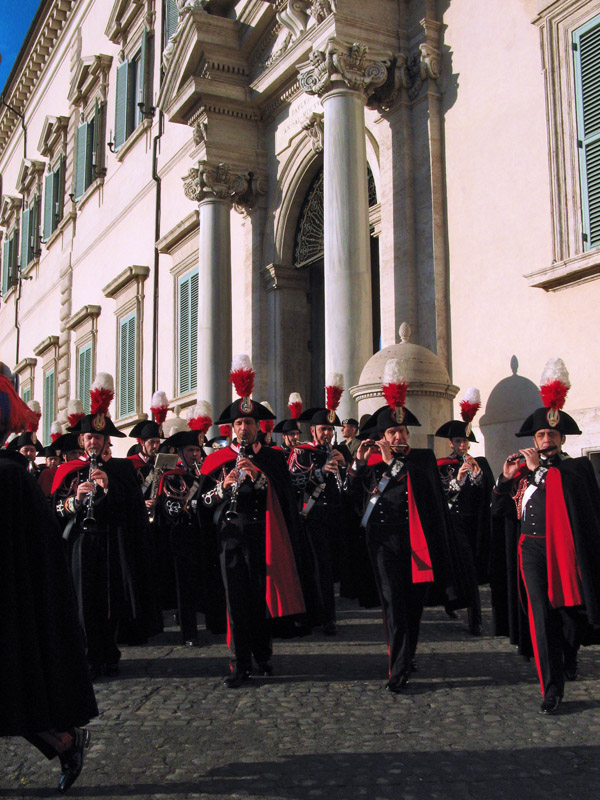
343 63
209 181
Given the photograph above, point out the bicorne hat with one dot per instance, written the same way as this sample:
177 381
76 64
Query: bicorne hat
463 428
554 386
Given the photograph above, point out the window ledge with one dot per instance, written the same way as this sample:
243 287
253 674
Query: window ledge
9 291
93 187
129 420
60 228
31 266
141 129
570 272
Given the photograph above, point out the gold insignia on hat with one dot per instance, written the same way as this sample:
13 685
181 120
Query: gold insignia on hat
553 417
331 416
398 414
99 422
468 429
246 405
33 437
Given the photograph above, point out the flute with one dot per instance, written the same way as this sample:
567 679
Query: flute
520 456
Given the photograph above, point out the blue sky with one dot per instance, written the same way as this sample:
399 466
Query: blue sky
16 18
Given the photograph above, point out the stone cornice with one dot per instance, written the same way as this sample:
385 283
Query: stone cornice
32 66
85 313
30 173
124 279
9 208
45 345
122 16
24 364
180 232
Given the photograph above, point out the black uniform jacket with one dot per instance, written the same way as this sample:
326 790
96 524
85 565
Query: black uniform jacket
577 492
44 679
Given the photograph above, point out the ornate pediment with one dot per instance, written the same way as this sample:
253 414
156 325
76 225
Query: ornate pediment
30 173
90 72
123 15
8 210
53 135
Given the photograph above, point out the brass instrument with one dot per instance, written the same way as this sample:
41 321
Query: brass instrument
89 521
162 463
232 513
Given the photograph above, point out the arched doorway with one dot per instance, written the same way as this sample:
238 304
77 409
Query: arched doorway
308 255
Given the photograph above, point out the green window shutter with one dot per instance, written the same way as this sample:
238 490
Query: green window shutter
84 376
127 363
26 396
586 47
48 407
34 228
59 191
6 267
188 332
142 96
121 106
171 19
81 150
49 202
25 248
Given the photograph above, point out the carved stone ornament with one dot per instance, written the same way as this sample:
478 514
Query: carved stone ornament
206 180
422 65
315 128
384 97
342 62
294 16
321 9
184 9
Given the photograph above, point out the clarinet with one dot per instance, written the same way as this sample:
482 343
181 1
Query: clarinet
232 512
338 478
89 521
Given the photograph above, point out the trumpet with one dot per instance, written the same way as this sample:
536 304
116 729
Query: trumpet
89 521
232 513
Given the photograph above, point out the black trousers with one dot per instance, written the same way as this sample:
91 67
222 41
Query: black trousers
554 632
401 599
322 536
185 547
242 554
465 536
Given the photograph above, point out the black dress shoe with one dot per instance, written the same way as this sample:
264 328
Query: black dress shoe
264 668
237 678
330 628
450 613
475 630
550 704
571 670
111 670
396 686
72 761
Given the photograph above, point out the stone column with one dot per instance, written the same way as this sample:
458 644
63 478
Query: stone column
343 76
215 189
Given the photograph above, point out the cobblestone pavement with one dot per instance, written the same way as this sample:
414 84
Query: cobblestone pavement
467 726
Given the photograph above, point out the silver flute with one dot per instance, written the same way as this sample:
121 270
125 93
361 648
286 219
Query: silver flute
89 521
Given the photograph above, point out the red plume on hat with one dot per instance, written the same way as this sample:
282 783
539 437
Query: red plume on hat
34 421
554 384
470 404
295 405
242 375
102 393
225 431
159 407
199 417
55 431
75 412
267 425
15 414
394 386
334 390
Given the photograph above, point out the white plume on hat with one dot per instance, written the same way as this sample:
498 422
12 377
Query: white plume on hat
392 372
555 370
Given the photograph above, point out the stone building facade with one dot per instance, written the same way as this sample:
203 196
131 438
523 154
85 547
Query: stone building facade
295 179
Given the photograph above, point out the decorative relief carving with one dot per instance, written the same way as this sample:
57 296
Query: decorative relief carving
342 62
321 9
205 180
184 9
294 16
315 128
420 66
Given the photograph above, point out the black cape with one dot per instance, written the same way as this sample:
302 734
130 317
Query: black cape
44 679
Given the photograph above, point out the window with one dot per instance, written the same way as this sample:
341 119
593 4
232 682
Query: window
48 407
127 365
9 262
187 329
89 151
30 232
84 376
26 395
586 57
134 90
171 19
54 192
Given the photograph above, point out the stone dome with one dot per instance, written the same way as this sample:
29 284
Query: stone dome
422 369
